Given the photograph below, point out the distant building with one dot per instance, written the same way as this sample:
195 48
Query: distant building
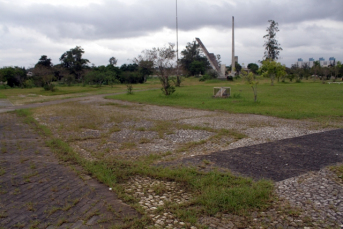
310 63
300 63
332 61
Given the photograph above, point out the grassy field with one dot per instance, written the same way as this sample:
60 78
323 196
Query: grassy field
286 100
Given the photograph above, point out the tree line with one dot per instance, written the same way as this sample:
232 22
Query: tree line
73 68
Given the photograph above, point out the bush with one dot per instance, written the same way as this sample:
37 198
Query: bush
229 78
205 77
131 78
28 84
212 73
49 87
129 89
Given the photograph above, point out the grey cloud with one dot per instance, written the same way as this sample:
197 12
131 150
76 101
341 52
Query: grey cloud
118 20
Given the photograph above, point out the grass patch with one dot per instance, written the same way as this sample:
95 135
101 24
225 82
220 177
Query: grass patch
163 127
293 100
338 170
128 145
2 171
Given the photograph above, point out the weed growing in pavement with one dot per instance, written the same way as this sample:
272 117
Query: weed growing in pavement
160 188
34 224
30 206
61 221
16 191
33 166
35 173
163 127
3 214
128 145
2 171
3 149
19 225
144 141
338 170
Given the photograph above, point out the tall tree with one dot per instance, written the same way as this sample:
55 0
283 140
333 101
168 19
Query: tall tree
192 53
45 61
113 61
253 67
272 46
73 61
163 60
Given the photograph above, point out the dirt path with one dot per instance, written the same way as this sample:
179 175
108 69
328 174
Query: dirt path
6 106
36 191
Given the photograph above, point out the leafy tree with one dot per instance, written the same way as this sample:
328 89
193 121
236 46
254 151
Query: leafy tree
192 53
101 75
253 67
197 67
44 76
44 61
129 67
272 47
15 76
238 68
163 60
73 61
113 61
272 70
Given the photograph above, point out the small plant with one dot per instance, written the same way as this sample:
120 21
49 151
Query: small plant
30 206
22 160
33 166
144 140
206 162
16 191
252 81
127 145
2 171
140 129
3 150
159 188
129 88
236 96
34 224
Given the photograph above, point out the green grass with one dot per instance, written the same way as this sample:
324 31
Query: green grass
285 100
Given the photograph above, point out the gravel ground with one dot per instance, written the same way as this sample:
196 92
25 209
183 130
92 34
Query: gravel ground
109 127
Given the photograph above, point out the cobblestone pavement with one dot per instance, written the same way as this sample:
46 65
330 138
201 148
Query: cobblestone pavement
319 194
38 192
153 194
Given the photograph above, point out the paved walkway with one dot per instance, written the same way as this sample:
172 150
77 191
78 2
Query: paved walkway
280 160
36 191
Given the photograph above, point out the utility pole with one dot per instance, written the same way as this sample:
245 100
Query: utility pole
177 45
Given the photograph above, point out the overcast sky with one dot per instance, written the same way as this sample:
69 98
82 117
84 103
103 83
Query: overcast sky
123 28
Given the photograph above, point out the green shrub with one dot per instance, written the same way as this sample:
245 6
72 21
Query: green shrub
28 84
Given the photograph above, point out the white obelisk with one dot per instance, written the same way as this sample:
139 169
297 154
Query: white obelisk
233 69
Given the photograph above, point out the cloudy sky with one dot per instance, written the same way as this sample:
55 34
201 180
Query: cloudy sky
123 28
